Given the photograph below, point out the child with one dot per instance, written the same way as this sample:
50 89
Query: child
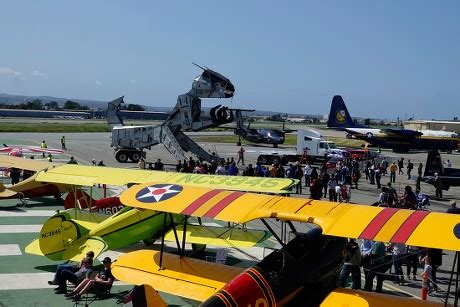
426 274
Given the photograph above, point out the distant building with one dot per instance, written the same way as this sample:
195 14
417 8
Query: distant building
432 125
138 115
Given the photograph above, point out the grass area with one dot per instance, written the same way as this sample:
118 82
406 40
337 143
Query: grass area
291 140
343 142
54 127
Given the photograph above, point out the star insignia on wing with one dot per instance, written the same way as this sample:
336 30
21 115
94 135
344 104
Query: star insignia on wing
158 192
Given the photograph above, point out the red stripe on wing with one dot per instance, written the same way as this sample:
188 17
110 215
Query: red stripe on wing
200 201
408 227
377 223
221 205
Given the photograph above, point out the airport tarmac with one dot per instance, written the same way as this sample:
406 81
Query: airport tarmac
87 146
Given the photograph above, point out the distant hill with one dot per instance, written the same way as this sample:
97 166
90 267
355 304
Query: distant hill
17 99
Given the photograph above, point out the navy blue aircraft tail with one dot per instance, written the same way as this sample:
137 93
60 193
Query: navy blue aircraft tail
339 116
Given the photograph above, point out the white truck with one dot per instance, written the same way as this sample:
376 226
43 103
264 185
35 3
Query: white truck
311 147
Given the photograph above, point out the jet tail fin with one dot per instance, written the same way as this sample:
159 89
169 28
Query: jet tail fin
433 164
113 112
338 115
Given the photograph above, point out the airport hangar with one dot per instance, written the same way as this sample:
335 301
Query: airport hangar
432 125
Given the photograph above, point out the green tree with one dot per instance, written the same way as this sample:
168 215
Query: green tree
52 105
135 107
73 105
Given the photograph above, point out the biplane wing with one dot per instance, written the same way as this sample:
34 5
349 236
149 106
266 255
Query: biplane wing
220 236
89 175
186 277
356 298
27 164
417 228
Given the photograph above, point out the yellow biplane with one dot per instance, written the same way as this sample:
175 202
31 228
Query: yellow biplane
303 272
54 179
71 233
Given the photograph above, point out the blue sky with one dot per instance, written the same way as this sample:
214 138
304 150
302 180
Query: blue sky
386 58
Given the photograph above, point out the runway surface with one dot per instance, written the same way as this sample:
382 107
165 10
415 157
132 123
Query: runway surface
18 226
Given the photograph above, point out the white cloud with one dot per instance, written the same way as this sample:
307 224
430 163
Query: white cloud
98 83
132 81
9 72
39 74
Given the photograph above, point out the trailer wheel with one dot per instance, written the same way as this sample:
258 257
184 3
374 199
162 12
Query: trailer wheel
122 156
263 159
135 156
276 160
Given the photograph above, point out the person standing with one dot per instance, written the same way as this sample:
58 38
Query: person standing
241 155
63 143
332 184
376 268
438 185
410 167
400 166
420 169
43 146
393 168
352 259
307 173
378 176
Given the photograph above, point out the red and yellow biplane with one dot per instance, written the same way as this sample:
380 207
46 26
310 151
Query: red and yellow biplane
302 272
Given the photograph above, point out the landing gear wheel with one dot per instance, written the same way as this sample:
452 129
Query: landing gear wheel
149 242
122 156
135 157
198 247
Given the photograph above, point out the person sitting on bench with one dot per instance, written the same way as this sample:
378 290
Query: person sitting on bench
101 284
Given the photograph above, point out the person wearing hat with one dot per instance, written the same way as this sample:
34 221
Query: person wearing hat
453 208
101 283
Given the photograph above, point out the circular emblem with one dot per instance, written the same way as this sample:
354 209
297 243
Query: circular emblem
457 231
340 116
157 193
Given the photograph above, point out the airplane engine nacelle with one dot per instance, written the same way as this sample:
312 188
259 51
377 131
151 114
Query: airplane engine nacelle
302 273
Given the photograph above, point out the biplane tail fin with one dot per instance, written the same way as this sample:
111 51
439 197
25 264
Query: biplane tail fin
5 192
81 200
144 296
63 236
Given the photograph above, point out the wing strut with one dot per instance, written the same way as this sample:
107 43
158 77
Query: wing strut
163 241
184 236
173 225
273 233
456 262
